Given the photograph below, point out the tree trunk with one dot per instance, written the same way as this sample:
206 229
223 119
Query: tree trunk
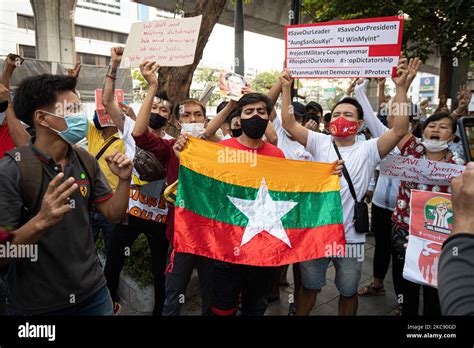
445 76
176 81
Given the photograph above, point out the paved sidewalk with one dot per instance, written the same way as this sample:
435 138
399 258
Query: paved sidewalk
327 300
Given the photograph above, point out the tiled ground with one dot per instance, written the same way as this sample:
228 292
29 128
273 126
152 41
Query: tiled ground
327 301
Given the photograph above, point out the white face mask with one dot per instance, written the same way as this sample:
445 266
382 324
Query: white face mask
193 129
435 145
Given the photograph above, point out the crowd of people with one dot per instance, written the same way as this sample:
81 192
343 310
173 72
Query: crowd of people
59 196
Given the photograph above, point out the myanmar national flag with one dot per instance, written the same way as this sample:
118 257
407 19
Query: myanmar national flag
240 207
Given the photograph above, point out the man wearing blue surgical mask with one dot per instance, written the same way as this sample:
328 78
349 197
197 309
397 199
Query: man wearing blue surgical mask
46 189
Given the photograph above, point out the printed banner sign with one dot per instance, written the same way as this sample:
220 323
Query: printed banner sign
170 42
353 48
431 218
420 170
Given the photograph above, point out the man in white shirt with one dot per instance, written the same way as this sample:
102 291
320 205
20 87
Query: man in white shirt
360 158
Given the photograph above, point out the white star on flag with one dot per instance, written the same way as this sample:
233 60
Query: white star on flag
264 214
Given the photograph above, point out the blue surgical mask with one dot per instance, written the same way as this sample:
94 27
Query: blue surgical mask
77 127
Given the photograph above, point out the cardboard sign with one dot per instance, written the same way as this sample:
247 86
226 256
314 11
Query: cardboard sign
431 218
231 84
104 117
170 42
420 170
352 48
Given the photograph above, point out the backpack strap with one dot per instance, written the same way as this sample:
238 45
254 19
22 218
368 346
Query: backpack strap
31 172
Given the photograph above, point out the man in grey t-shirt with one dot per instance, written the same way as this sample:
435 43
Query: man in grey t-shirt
61 274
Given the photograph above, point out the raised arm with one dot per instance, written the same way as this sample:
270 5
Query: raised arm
148 70
218 120
399 107
381 93
296 130
16 129
273 94
108 91
464 97
375 126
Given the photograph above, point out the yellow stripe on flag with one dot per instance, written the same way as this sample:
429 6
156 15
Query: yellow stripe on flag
245 168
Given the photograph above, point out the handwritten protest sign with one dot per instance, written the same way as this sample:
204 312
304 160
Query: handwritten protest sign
352 48
420 170
431 218
231 84
170 42
146 201
104 117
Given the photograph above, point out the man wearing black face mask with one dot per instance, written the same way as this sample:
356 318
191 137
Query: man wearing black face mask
231 280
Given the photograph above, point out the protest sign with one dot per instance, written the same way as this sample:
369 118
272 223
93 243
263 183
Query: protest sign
431 218
104 117
231 84
420 170
170 42
353 48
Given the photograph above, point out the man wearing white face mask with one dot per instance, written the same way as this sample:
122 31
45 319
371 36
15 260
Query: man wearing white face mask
438 131
191 115
46 189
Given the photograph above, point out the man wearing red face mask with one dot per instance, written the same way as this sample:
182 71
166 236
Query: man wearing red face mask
360 159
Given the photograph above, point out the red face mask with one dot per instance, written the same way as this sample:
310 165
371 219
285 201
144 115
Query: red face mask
342 128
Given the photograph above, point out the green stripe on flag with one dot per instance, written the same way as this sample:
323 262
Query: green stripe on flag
208 197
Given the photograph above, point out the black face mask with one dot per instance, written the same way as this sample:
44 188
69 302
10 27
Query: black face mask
254 127
236 132
157 121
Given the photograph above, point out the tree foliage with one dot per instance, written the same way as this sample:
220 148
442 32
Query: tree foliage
264 81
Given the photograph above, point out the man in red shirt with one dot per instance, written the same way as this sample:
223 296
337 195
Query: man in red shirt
230 281
191 114
12 132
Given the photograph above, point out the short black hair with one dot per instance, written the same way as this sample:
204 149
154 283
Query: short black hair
38 92
188 101
439 116
352 101
315 106
251 98
327 117
221 106
162 95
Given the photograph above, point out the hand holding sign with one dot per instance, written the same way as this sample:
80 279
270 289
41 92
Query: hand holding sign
401 81
285 78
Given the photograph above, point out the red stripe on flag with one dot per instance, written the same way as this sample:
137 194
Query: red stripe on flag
217 240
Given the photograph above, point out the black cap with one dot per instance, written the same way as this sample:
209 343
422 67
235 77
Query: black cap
298 109
3 106
315 106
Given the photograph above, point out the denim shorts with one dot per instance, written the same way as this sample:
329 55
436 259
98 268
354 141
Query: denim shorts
348 273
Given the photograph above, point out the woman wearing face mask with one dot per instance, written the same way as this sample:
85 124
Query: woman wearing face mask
438 131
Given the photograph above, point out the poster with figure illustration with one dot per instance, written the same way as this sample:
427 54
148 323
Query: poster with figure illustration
431 219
